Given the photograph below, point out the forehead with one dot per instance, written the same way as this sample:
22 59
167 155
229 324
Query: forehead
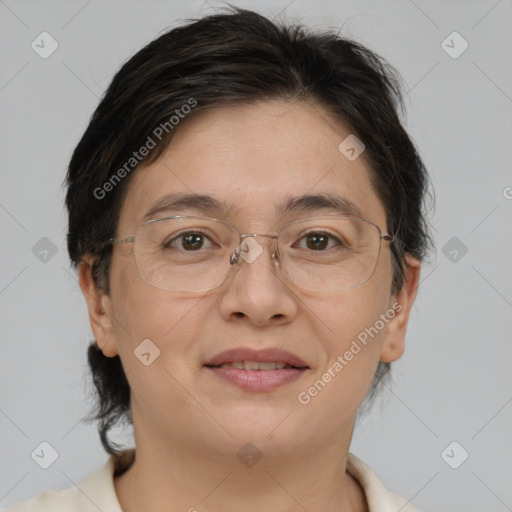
253 160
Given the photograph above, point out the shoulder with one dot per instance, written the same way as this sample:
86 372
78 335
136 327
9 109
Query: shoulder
378 497
401 504
93 493
46 501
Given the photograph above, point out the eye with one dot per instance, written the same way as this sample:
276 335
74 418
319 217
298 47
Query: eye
188 241
320 240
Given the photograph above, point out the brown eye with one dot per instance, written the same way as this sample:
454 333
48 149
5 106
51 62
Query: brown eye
319 241
190 241
193 241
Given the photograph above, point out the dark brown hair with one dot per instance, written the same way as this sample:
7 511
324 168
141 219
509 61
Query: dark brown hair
225 59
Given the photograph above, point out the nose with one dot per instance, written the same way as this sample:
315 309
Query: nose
256 291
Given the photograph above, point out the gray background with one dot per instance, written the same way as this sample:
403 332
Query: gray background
454 381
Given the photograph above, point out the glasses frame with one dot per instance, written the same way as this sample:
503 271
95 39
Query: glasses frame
234 257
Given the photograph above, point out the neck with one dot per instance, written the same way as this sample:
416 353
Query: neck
193 478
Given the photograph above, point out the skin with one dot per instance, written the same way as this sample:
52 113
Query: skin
190 424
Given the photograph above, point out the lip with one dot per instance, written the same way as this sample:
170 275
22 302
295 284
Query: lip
257 380
266 355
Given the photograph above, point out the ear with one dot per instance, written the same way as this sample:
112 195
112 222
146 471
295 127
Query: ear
99 307
401 304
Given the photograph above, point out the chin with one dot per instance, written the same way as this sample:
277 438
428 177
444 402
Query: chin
276 428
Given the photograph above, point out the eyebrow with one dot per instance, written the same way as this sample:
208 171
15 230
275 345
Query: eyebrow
206 204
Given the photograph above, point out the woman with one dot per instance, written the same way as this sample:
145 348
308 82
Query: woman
246 217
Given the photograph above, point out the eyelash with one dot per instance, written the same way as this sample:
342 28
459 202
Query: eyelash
179 236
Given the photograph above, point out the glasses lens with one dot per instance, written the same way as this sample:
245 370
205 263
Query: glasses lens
329 253
191 254
184 254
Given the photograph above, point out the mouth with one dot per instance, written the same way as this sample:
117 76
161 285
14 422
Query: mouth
257 370
255 365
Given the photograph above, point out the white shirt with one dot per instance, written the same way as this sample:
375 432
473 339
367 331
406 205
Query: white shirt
97 492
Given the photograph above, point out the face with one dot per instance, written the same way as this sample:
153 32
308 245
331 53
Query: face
252 158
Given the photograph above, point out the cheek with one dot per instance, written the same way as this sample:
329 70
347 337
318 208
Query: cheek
350 314
141 312
351 329
148 313
157 349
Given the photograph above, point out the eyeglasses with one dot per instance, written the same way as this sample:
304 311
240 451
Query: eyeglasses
195 254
